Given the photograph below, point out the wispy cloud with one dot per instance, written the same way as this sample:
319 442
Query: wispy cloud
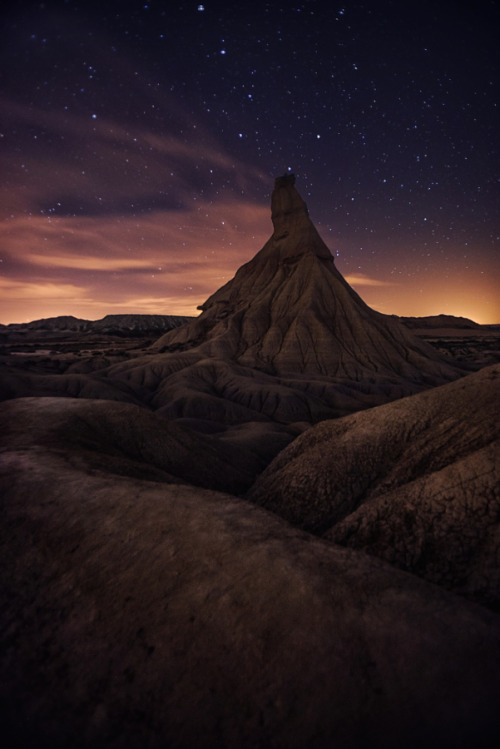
361 279
166 262
19 290
121 212
88 263
72 163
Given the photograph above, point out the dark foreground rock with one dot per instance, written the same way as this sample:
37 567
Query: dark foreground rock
140 614
126 440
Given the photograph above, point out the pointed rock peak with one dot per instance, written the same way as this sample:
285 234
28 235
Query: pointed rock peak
289 310
287 207
294 232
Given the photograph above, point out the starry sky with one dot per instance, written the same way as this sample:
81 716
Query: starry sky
140 141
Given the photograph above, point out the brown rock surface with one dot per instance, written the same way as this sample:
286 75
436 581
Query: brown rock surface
416 482
125 440
138 614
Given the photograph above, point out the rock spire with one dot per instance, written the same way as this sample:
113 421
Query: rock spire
289 310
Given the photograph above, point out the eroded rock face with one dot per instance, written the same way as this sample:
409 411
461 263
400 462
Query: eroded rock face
289 310
291 222
415 482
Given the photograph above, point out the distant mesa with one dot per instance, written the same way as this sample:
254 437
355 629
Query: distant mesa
137 324
110 324
63 322
439 322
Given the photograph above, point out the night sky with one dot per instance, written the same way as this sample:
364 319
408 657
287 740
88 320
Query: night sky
140 141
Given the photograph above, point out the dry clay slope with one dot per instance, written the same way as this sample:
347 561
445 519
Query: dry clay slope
415 482
136 613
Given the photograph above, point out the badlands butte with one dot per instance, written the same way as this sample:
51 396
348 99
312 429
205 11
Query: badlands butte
272 525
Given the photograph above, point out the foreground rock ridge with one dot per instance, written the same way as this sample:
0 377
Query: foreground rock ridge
289 310
139 611
415 482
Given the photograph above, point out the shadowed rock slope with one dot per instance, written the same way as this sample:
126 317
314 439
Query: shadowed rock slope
415 482
143 614
125 440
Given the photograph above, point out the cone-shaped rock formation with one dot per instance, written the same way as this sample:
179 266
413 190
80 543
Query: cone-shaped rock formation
289 310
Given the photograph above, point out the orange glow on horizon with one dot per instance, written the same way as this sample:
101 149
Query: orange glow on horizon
25 302
171 262
475 299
